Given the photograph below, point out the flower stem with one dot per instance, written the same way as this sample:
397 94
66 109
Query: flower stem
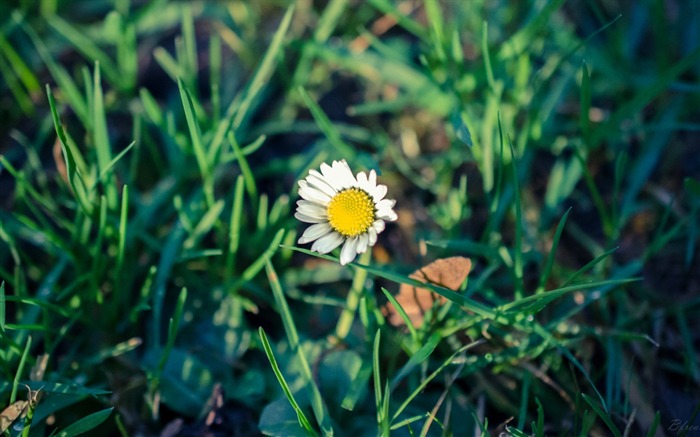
348 315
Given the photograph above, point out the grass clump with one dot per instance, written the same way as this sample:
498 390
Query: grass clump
152 283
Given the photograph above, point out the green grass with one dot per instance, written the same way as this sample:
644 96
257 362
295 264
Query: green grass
148 261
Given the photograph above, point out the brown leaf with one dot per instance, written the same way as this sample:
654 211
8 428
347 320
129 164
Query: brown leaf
12 413
446 272
60 161
37 372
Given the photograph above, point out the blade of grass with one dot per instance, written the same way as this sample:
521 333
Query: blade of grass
207 222
101 139
121 245
589 266
654 425
60 75
13 84
550 257
437 32
326 24
526 35
603 415
105 171
257 265
403 315
24 73
641 99
86 424
377 381
250 184
518 252
75 178
264 71
327 127
448 294
189 60
690 356
20 369
536 301
86 46
585 121
2 307
432 376
315 397
215 80
173 327
197 146
418 357
301 417
234 232
168 257
524 399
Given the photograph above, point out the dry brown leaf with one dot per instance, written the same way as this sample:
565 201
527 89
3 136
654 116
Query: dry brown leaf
60 160
446 272
37 372
12 413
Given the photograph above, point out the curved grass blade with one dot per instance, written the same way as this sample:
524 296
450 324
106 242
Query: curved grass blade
317 404
550 257
301 417
86 424
603 415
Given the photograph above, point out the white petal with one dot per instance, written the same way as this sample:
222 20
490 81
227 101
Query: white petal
344 175
309 219
372 235
327 243
321 184
311 194
387 214
311 209
373 178
379 192
362 243
378 226
327 171
385 204
349 251
314 232
362 181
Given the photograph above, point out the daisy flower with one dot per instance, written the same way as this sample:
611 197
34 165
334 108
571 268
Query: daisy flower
343 209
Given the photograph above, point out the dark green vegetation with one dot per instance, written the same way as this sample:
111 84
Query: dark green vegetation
147 233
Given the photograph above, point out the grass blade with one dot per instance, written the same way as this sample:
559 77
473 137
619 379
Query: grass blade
101 139
550 257
86 424
315 397
197 146
603 415
301 417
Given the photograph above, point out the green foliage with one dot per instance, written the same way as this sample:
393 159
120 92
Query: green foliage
147 238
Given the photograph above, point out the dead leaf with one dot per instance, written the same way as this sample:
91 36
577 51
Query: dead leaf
446 272
12 413
60 161
37 372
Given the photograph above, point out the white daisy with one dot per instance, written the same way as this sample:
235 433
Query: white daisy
343 208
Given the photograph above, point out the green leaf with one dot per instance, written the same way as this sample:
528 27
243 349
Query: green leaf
603 415
86 424
197 145
302 421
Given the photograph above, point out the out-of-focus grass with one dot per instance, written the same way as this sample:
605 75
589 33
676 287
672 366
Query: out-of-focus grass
147 239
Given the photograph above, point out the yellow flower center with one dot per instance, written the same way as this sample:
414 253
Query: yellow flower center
351 212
